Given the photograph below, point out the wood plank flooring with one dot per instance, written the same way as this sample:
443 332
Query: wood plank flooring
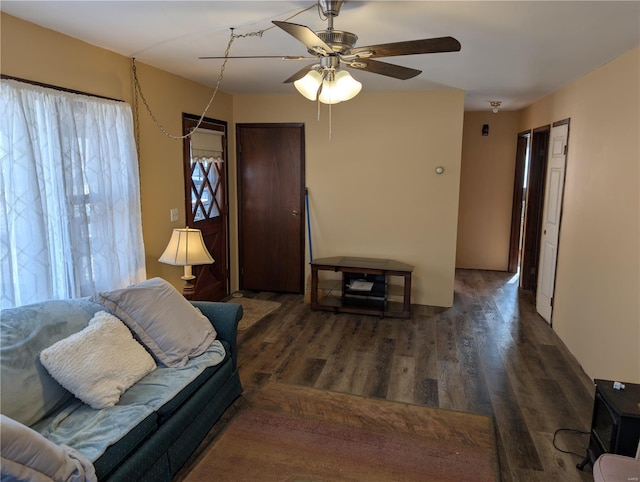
490 354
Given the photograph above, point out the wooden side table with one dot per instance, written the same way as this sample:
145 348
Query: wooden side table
364 286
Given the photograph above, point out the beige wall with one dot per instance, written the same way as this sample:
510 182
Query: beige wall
37 54
373 188
597 310
486 190
34 53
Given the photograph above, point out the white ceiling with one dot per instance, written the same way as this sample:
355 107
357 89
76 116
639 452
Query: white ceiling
512 51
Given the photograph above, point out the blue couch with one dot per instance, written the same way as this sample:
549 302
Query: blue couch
157 424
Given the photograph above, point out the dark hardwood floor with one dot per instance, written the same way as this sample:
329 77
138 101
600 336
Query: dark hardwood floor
490 353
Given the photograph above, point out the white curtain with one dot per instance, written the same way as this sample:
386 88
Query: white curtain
70 218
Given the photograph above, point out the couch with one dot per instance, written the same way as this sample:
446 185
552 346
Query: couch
72 411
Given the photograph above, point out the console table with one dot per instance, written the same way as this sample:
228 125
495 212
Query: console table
366 286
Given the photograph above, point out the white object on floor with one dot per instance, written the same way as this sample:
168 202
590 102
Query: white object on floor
616 468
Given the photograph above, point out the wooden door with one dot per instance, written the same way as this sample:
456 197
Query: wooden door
535 199
554 189
205 179
271 206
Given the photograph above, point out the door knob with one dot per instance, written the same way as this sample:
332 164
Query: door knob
295 212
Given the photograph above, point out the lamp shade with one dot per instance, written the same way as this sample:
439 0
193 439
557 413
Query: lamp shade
186 248
347 86
342 87
309 84
329 93
335 88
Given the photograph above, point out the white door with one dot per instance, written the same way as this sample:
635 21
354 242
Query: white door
554 187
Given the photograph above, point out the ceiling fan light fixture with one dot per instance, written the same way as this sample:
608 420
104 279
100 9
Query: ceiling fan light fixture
329 93
347 86
342 87
309 84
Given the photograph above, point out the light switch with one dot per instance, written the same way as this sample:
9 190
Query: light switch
174 214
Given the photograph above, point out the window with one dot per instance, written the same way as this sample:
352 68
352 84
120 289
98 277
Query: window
207 165
70 222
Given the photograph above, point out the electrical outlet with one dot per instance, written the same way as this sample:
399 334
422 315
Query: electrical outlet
174 214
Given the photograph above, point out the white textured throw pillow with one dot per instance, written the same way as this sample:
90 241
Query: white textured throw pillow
99 363
163 320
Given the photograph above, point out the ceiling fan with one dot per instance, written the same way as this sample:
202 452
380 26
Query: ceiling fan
326 80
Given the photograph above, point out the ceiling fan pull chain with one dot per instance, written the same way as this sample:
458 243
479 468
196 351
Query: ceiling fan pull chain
330 127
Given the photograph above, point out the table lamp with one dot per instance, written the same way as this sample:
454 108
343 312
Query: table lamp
186 248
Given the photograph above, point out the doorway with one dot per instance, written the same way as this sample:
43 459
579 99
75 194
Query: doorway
205 182
519 206
526 222
271 206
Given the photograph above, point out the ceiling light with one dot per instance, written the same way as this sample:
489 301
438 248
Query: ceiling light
495 104
309 84
332 87
342 87
347 86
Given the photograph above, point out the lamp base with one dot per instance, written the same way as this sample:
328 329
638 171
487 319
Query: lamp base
189 287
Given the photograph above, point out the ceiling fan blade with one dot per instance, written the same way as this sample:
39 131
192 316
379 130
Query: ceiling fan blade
306 36
409 47
283 57
299 74
383 68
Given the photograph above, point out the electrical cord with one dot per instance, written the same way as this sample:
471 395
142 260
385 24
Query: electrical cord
572 430
137 88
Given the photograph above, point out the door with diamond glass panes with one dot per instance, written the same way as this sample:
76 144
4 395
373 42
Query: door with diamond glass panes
205 176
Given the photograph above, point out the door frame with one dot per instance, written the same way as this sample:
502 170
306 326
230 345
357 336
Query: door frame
302 245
